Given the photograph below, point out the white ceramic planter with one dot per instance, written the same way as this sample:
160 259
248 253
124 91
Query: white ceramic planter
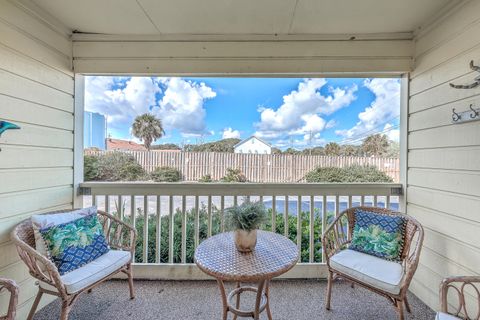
245 241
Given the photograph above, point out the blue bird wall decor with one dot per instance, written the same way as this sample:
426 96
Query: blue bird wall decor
4 126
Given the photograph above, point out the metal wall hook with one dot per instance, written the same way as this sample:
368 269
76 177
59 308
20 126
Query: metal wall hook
472 85
474 113
455 116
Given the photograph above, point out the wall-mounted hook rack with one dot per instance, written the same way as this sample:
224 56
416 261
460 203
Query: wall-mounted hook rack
473 114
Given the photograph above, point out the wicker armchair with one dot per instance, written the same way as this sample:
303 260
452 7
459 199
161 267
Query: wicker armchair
459 285
120 237
336 240
12 288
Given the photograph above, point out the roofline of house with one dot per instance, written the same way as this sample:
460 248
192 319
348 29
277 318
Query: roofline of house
244 140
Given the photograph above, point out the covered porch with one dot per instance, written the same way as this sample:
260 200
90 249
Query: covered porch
48 46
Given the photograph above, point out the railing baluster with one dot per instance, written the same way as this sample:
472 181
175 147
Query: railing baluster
184 228
362 200
222 212
209 212
197 221
387 202
158 230
145 229
375 200
132 211
312 229
94 200
350 203
324 218
120 208
170 230
274 214
107 204
235 201
285 220
299 225
337 205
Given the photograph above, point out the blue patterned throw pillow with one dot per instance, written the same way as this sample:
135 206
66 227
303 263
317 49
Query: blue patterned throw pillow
379 235
75 243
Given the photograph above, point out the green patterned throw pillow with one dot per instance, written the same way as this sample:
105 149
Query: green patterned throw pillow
73 244
379 235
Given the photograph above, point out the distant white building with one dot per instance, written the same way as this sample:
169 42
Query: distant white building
253 145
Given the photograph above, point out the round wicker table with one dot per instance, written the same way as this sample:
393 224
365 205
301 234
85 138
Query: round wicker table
273 255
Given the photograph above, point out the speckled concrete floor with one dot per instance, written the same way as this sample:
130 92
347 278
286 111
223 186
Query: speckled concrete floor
184 300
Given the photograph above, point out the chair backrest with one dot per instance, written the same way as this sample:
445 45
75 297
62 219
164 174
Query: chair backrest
12 288
412 228
467 289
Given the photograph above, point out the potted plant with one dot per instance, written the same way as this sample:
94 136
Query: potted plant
245 220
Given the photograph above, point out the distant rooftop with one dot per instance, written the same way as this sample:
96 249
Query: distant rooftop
118 144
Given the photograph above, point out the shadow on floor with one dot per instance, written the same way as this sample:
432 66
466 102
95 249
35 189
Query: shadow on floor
185 300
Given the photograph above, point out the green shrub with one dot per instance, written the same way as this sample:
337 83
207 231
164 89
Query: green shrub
112 166
166 174
354 173
217 228
206 178
234 175
90 168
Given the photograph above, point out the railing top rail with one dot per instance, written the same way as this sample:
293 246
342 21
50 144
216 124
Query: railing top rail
240 189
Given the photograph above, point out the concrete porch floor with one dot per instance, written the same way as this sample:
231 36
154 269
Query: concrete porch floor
182 300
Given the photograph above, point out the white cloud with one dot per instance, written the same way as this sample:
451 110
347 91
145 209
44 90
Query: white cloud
301 110
384 108
230 133
330 124
307 141
392 134
122 99
182 106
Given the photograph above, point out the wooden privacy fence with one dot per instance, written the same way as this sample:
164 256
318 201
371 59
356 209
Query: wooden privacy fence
256 167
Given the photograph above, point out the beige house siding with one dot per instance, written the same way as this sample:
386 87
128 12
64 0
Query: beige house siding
36 162
443 190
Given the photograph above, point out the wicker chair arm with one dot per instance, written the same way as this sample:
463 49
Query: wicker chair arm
412 257
12 288
39 266
463 281
334 238
119 234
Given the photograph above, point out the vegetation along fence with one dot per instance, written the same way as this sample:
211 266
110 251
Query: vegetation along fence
256 167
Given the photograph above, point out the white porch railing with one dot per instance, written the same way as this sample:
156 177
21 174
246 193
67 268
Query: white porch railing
173 218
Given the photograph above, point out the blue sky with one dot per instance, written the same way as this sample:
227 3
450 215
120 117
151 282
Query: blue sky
287 112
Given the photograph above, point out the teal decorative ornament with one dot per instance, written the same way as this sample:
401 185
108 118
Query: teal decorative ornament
4 126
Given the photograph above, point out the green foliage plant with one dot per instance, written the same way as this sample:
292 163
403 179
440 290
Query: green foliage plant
234 175
166 174
247 216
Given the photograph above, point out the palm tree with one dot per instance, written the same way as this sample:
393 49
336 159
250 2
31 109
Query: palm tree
147 128
332 149
375 145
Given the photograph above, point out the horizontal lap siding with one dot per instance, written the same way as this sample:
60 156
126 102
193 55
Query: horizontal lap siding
241 57
36 162
443 190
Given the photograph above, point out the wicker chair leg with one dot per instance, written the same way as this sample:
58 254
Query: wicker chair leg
130 281
329 290
400 310
35 304
407 305
66 306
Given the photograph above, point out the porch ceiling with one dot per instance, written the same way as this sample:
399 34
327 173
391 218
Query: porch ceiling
150 17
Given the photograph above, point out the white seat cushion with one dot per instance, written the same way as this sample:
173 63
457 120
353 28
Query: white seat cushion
445 316
92 272
379 273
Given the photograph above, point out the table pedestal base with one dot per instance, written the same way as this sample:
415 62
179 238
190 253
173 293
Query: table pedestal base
261 301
